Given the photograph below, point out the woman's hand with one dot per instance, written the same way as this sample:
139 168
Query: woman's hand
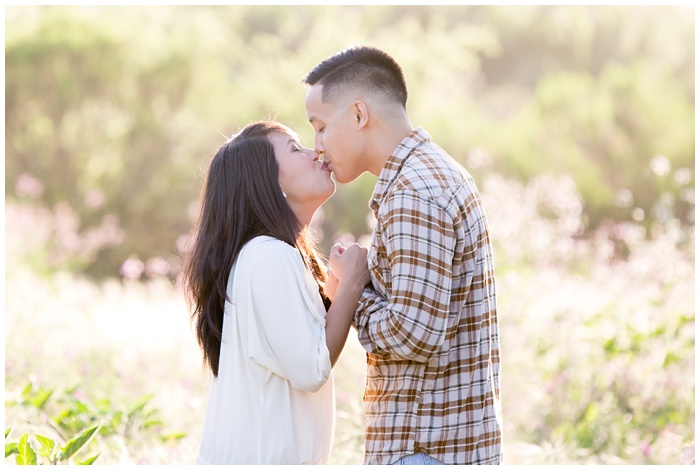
348 268
331 285
347 277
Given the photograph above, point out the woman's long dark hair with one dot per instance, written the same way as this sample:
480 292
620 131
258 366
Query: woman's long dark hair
241 199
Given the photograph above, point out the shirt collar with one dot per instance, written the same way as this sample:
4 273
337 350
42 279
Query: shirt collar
393 165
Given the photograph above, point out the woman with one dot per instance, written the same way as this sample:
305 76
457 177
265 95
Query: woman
268 323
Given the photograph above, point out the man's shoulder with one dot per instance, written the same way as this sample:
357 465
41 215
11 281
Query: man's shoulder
429 168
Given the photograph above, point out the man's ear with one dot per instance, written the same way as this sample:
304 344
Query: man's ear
361 114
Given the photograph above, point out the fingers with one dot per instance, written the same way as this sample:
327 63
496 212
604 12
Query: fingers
362 249
337 250
356 250
344 260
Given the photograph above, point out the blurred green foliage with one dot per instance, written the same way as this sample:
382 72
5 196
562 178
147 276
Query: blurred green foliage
72 423
115 111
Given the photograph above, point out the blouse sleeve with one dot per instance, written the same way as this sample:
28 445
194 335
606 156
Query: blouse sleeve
292 335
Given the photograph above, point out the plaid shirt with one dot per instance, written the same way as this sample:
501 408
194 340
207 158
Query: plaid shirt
429 323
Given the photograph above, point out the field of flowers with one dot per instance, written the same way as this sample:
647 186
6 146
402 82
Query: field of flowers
597 337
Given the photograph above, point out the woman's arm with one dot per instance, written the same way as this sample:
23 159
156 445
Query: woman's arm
286 334
350 272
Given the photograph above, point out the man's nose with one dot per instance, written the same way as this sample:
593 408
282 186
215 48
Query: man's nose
318 145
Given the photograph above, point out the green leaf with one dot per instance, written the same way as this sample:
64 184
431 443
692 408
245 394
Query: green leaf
591 413
89 461
79 406
40 398
75 444
174 436
25 452
610 346
36 398
139 405
659 331
152 422
71 421
682 321
104 405
116 418
47 447
63 414
8 431
10 449
671 358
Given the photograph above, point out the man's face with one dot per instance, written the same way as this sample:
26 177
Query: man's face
336 135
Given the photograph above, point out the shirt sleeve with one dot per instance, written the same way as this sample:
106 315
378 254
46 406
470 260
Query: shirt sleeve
412 322
291 326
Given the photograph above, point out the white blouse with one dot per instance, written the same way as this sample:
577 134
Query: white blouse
273 401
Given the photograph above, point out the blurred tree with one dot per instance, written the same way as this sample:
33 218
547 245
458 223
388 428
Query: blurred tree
117 110
604 93
90 111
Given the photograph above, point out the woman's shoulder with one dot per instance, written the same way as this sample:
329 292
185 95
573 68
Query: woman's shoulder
264 247
266 242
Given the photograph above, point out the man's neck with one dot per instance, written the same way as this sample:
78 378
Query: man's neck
387 137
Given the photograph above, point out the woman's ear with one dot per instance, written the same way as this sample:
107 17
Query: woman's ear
361 114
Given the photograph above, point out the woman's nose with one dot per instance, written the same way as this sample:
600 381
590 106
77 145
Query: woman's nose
313 154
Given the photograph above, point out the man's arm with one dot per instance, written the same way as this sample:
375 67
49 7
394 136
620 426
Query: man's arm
412 322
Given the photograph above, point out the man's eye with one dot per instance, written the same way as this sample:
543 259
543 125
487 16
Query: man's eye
322 129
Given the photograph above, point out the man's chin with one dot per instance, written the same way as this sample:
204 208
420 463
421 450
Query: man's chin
344 179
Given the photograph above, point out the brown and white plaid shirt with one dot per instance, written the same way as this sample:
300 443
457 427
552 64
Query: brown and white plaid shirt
429 323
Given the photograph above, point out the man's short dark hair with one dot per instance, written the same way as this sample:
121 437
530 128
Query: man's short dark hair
361 66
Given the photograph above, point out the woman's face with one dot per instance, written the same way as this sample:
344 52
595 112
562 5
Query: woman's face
302 176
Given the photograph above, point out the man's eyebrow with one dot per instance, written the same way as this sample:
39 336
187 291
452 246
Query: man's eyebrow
312 118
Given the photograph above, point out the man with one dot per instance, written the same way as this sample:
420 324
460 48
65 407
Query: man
428 322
